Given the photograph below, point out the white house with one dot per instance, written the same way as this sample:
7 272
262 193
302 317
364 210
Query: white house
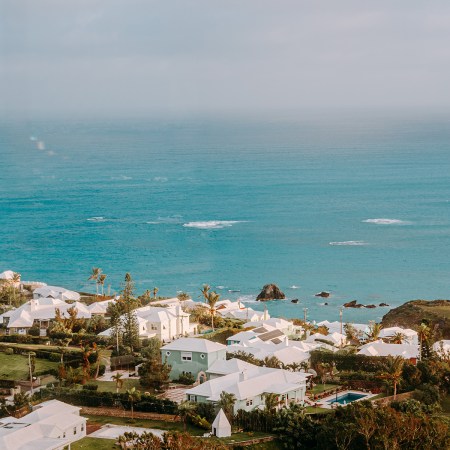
53 425
39 312
164 323
442 348
336 339
55 292
223 367
100 308
265 334
8 276
251 386
380 348
410 336
221 426
287 327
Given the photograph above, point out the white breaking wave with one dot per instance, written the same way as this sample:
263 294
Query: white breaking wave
294 287
211 224
350 243
96 219
385 221
122 178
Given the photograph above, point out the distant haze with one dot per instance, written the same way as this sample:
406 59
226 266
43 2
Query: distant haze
192 56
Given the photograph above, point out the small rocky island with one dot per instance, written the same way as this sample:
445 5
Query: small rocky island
270 292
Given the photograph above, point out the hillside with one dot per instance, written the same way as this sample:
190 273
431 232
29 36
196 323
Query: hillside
409 315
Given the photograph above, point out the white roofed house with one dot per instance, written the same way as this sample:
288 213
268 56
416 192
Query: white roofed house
380 348
287 327
11 278
53 425
165 324
264 333
55 292
250 387
407 335
39 312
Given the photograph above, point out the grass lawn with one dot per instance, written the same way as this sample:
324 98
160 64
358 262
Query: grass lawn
240 437
314 410
319 388
145 423
110 386
32 347
88 443
15 367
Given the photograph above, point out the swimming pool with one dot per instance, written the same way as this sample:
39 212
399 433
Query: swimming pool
346 398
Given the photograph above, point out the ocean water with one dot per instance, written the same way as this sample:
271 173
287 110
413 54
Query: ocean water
354 204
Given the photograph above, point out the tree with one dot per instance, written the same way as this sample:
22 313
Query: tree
101 281
183 296
119 381
351 333
226 402
154 373
398 338
133 396
205 291
374 331
86 352
424 333
155 291
271 402
96 271
212 299
130 324
185 408
272 362
394 371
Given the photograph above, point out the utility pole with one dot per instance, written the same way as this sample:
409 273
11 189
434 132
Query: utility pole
340 317
305 311
31 373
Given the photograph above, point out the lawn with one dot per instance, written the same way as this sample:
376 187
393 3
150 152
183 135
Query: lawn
110 386
145 423
88 443
15 367
316 410
33 347
319 388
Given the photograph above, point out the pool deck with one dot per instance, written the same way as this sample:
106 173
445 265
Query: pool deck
110 431
324 402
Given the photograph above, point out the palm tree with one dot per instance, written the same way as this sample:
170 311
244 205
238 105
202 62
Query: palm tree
96 271
394 371
226 402
271 402
398 338
14 280
118 379
185 408
424 333
205 291
374 331
133 396
155 291
351 333
101 281
212 299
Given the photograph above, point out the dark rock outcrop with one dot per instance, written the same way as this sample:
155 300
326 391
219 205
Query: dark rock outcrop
371 306
270 292
323 294
383 304
352 304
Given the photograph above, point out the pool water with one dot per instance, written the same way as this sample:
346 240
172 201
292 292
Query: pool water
346 398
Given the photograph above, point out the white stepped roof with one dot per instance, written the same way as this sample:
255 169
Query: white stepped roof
225 367
380 348
56 292
194 345
7 275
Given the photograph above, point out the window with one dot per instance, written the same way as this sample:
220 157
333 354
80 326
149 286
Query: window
74 430
186 356
167 353
249 402
82 427
193 398
64 435
154 327
202 356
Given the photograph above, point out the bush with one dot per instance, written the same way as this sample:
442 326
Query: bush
9 351
90 387
55 357
206 410
199 422
186 378
34 331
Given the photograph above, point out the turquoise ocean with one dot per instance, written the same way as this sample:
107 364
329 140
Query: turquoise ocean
357 204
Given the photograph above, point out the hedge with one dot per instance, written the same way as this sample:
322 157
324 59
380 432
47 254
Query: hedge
86 397
349 362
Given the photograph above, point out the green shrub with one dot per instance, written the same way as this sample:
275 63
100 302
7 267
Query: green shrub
186 378
90 387
199 422
9 351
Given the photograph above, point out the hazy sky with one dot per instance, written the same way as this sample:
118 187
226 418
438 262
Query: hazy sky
132 56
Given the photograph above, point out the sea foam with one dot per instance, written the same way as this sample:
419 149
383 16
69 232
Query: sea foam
349 243
97 219
385 221
211 224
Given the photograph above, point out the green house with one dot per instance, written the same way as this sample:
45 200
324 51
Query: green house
192 355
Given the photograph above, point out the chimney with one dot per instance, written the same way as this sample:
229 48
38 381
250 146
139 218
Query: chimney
243 375
33 304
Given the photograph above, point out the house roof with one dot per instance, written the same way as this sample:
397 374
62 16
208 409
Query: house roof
7 275
221 420
56 292
194 345
380 348
227 366
250 383
270 335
